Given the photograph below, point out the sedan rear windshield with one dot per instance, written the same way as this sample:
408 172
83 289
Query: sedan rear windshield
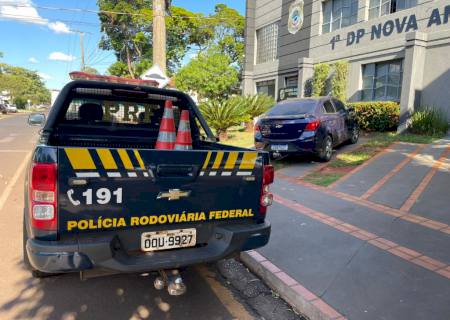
292 108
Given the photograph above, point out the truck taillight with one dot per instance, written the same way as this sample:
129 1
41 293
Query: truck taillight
43 196
266 197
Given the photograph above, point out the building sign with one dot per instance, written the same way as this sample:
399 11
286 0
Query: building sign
288 92
394 26
295 21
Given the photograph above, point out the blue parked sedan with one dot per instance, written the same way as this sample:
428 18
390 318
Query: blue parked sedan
306 126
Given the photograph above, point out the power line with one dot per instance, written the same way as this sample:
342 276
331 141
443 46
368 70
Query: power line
106 11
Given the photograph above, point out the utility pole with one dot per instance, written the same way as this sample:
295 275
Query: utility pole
82 50
81 33
159 34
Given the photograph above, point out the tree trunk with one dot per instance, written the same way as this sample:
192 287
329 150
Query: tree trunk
249 126
130 67
223 135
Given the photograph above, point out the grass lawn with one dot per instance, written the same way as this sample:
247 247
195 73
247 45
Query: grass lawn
346 161
238 137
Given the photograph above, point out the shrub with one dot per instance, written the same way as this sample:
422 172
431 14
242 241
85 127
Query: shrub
339 80
377 115
429 121
222 115
319 82
254 105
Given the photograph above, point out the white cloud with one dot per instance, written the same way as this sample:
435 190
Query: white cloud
33 60
59 27
59 56
45 76
24 11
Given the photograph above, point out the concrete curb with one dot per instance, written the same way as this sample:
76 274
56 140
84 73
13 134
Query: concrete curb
301 299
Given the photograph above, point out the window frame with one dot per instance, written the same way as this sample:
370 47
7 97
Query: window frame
393 5
375 79
330 7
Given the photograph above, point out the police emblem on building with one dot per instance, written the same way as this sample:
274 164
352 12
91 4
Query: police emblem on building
295 22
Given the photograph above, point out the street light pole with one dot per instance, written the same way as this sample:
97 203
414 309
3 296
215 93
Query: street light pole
159 34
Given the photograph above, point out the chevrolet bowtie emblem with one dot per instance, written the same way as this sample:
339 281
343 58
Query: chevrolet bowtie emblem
173 194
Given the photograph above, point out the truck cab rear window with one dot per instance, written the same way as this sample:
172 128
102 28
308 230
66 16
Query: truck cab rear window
99 112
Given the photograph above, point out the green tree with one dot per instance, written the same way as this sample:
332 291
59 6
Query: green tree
90 70
339 81
130 35
319 82
23 84
210 75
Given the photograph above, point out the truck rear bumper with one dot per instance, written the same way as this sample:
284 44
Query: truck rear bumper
105 253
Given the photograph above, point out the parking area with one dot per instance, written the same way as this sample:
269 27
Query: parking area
373 245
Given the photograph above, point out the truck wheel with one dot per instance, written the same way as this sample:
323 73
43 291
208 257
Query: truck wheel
35 273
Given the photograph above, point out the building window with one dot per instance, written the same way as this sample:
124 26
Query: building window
267 87
267 43
379 8
382 81
338 14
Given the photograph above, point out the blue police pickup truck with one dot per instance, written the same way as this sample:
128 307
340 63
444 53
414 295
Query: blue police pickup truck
100 197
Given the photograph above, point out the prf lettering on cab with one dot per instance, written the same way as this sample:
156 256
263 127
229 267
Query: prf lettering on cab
146 220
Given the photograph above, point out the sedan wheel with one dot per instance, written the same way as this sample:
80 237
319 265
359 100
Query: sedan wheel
327 149
355 135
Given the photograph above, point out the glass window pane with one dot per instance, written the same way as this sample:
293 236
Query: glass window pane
267 43
368 82
380 93
382 69
369 69
367 95
373 13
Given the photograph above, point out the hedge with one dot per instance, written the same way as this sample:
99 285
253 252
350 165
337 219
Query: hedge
377 115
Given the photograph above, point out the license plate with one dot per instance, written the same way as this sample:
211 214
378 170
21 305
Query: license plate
169 239
279 147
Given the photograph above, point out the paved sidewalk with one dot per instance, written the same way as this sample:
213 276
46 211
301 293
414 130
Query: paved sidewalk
375 246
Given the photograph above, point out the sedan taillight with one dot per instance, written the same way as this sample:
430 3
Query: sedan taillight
42 196
312 126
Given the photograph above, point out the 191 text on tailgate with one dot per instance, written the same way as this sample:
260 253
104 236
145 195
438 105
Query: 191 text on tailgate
105 192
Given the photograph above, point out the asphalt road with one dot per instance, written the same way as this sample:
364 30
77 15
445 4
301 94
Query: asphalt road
67 297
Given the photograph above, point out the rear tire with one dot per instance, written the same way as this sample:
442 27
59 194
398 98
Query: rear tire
326 152
354 136
26 261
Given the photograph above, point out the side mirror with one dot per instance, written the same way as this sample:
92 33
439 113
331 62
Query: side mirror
217 139
36 119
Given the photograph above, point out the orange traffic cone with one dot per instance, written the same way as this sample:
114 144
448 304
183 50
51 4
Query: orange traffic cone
184 139
166 136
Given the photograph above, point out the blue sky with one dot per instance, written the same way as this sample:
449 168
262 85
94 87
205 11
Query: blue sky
36 37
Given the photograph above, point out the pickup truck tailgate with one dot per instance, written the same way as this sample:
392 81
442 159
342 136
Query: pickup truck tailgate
107 189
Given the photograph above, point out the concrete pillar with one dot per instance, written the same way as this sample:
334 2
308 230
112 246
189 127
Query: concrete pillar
248 85
413 67
305 74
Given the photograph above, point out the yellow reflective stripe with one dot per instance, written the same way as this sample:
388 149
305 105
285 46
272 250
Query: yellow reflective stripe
107 159
139 159
218 160
248 161
231 160
208 157
80 158
125 158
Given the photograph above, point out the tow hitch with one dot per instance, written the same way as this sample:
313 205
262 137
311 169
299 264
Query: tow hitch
172 280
